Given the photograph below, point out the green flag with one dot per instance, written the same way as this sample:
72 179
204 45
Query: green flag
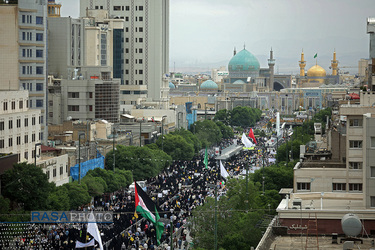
316 55
205 161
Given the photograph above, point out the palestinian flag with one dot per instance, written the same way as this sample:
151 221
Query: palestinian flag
251 135
148 209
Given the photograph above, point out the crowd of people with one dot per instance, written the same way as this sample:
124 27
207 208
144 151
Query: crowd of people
177 190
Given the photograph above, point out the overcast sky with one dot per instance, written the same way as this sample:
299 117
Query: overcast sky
203 33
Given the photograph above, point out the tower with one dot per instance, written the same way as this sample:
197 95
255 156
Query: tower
371 31
334 64
302 65
271 65
53 8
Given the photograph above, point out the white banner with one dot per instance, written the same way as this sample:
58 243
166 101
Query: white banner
79 244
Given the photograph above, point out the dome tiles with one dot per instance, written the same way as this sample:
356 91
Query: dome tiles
244 61
209 84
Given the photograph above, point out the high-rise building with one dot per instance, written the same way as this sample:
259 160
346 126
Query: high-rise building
23 52
140 47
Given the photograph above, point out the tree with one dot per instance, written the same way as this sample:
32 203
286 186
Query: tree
275 177
177 147
112 181
245 116
143 162
208 132
190 138
27 185
95 185
78 194
58 199
226 131
223 116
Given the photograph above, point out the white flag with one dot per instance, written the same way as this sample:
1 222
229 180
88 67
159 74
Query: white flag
223 171
246 141
79 244
92 228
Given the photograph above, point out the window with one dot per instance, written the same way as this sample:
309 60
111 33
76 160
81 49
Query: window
140 40
140 50
26 122
140 82
47 173
13 105
5 105
54 172
372 171
61 170
39 20
140 61
140 72
23 18
127 8
20 104
339 186
73 107
126 72
10 124
73 94
2 126
39 103
127 18
39 53
127 40
39 87
39 70
140 8
303 186
33 121
18 123
33 137
355 144
126 61
18 140
39 36
140 29
355 122
10 142
26 139
26 155
2 145
372 201
355 165
140 18
355 187
116 7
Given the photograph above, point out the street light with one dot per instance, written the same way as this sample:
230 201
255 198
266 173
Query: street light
36 144
79 157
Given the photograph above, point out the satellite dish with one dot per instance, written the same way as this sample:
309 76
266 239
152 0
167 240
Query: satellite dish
351 225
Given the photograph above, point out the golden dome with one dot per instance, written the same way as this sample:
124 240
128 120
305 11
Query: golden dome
316 71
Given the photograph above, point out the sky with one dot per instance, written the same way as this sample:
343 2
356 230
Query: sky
204 33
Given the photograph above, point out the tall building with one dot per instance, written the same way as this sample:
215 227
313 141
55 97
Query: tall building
140 48
23 52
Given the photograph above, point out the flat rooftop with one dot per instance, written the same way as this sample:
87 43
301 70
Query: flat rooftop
325 242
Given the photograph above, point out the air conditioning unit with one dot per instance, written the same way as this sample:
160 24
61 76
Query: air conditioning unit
297 202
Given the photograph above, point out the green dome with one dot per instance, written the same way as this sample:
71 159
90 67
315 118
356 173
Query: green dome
209 84
244 61
171 85
239 82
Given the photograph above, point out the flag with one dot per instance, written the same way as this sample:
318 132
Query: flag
149 210
205 161
135 214
92 228
152 119
316 55
223 171
251 135
79 244
246 142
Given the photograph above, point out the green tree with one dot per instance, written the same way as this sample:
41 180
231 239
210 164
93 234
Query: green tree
26 184
177 147
223 116
208 132
143 162
113 181
226 131
78 194
4 205
275 177
58 199
245 116
95 185
190 138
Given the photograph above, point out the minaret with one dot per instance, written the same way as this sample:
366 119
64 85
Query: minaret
53 8
334 64
234 51
271 65
302 65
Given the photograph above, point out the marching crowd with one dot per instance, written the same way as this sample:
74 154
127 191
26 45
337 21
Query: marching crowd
178 190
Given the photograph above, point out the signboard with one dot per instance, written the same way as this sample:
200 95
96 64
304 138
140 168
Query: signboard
71 216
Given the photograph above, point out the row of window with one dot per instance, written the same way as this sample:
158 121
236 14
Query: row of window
28 36
13 105
29 86
29 19
18 141
353 187
29 53
137 82
75 108
54 171
137 40
28 70
18 123
122 8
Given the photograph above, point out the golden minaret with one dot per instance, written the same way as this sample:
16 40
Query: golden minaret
334 64
302 65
